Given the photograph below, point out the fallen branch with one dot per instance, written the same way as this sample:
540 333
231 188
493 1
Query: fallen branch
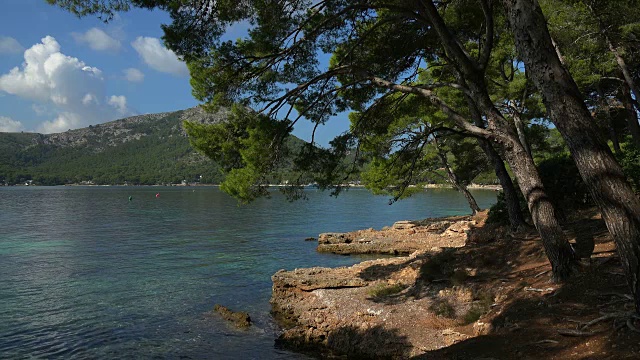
542 273
601 318
538 290
570 332
546 341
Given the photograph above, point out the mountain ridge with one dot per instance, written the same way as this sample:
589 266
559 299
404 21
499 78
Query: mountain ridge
143 149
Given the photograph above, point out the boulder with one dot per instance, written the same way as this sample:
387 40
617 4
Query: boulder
238 318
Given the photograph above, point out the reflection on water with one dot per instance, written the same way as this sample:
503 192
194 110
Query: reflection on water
85 273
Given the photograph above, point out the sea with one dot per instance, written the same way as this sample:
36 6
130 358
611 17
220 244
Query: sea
134 272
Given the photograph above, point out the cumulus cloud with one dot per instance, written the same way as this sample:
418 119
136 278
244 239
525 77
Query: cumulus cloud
119 103
158 57
9 45
10 125
63 122
97 40
72 90
133 75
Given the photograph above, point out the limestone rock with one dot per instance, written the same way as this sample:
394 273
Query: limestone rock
238 318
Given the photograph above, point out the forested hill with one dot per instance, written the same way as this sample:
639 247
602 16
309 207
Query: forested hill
145 149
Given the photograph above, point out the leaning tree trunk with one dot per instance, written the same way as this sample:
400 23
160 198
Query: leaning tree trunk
516 218
598 168
606 108
556 246
543 214
519 123
453 179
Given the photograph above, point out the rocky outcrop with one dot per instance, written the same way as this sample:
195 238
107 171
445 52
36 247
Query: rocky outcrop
403 238
384 308
368 310
238 318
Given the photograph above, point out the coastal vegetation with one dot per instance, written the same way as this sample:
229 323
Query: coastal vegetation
141 150
546 91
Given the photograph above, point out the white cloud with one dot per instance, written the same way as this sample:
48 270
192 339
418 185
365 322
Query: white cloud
89 98
63 122
9 45
133 75
97 40
159 57
120 103
39 109
73 91
10 125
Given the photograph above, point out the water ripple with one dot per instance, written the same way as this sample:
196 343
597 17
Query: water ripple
85 273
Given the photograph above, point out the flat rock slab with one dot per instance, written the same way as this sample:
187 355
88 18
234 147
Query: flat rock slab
403 238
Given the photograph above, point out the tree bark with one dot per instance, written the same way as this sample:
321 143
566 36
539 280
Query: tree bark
516 218
517 120
453 179
624 68
606 109
598 168
557 247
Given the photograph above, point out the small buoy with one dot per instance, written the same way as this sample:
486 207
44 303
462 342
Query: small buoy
130 198
158 195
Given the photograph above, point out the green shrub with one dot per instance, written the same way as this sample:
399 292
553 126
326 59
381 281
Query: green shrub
382 290
481 306
629 159
443 308
458 277
474 313
499 214
563 184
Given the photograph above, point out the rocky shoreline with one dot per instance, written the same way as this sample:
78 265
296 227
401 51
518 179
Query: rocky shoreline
457 288
380 308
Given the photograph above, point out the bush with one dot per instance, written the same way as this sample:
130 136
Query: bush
481 306
499 214
443 308
629 159
382 290
563 184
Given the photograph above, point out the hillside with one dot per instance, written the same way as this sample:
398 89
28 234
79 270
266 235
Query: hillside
145 149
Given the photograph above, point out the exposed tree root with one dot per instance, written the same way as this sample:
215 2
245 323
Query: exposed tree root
620 320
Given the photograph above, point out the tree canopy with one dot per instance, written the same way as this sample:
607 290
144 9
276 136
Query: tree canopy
478 68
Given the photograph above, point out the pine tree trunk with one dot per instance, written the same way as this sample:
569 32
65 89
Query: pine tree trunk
632 116
453 179
624 68
598 168
604 105
543 214
557 248
517 120
516 218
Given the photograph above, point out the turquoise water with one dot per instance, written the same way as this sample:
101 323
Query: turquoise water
85 273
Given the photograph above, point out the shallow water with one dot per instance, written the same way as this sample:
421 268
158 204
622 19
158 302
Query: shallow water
85 273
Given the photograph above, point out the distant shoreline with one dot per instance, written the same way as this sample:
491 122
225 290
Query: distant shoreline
427 186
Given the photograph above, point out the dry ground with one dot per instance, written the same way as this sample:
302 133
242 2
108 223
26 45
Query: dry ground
490 299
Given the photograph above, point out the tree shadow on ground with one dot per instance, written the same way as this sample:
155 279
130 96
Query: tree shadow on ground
533 322
551 325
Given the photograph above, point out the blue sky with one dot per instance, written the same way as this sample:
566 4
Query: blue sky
59 72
